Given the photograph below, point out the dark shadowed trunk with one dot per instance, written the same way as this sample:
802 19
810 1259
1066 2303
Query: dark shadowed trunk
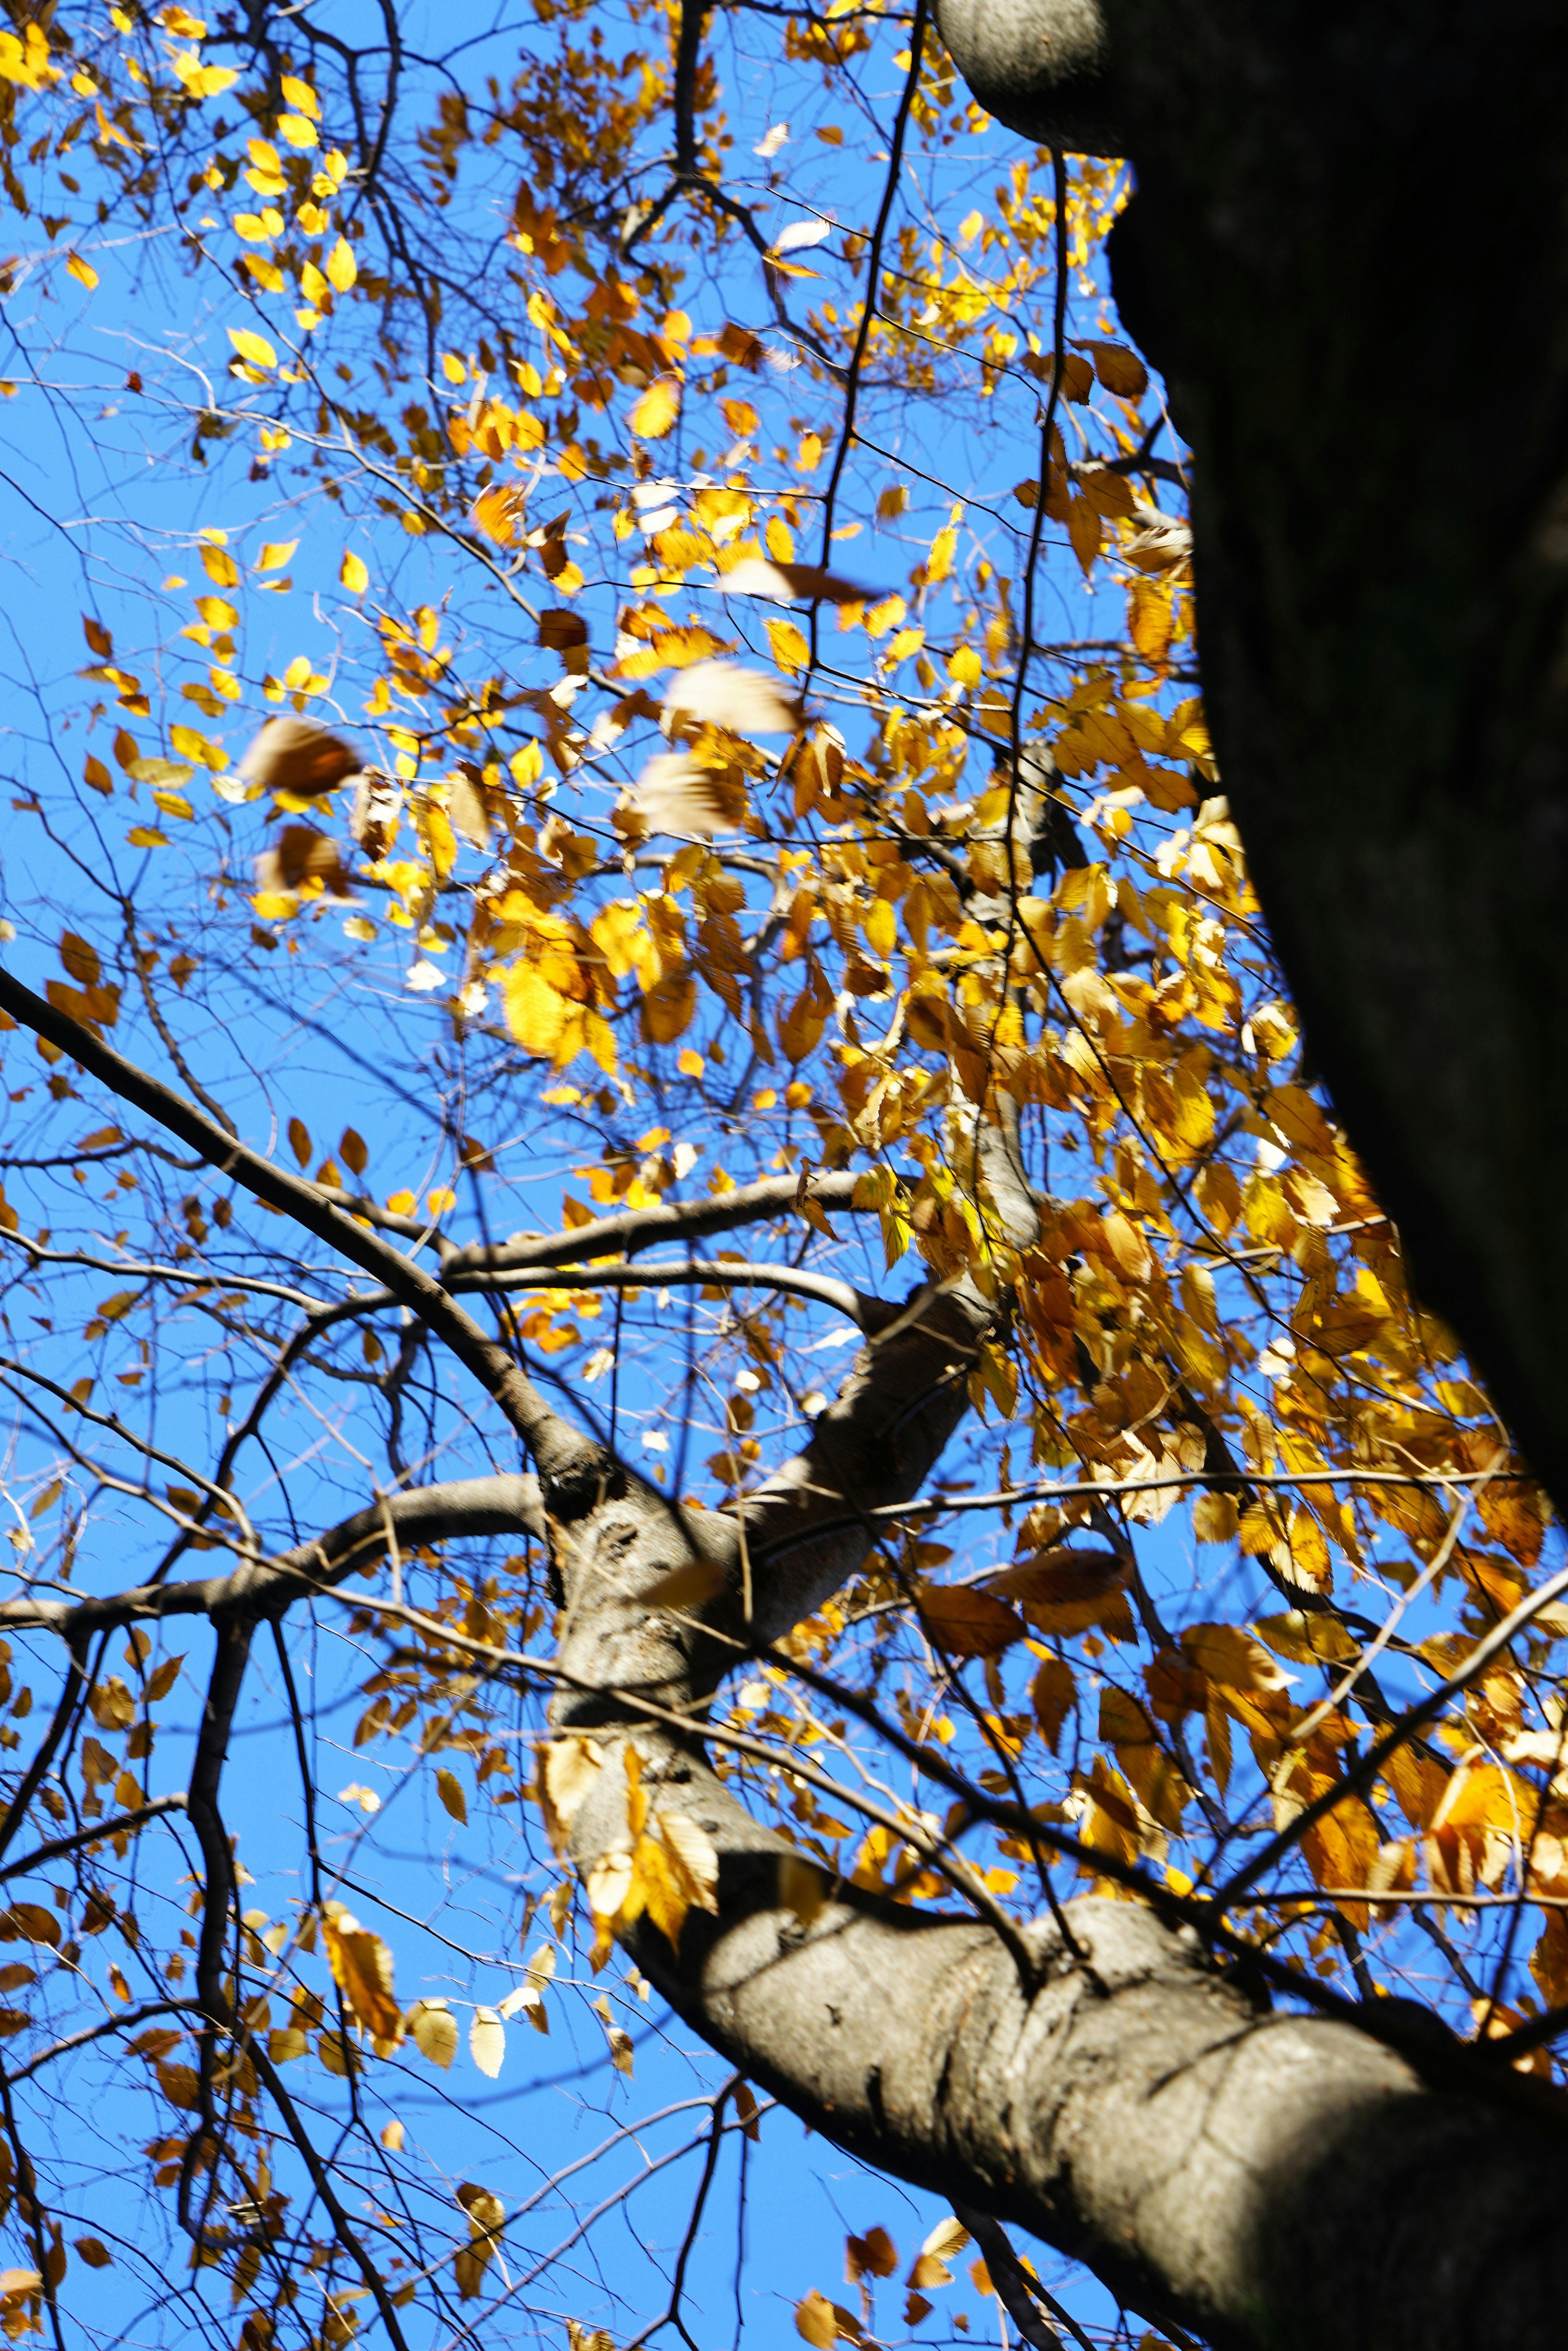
1348 255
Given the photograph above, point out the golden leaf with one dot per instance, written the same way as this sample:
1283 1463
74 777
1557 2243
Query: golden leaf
686 1587
1231 1658
341 267
449 1788
434 2031
571 1768
657 409
362 1968
251 347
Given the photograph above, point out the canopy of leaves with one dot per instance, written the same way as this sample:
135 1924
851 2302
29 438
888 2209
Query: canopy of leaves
636 698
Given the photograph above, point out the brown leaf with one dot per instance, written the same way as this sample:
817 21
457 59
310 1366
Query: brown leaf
1121 372
372 818
293 755
873 2255
746 701
558 631
301 853
966 1622
1063 1591
790 583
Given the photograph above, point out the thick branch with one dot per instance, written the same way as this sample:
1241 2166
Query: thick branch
634 1229
467 1507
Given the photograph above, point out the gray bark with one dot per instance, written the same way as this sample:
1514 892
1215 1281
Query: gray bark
1267 2180
1348 255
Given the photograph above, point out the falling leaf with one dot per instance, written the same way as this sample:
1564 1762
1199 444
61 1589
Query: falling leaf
353 573
873 2255
291 755
95 2255
746 701
674 794
392 2136
449 1788
488 2041
790 583
802 233
657 409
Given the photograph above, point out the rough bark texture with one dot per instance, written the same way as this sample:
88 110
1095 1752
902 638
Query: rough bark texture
1348 255
1268 2180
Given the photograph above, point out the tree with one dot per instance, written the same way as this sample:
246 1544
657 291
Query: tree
1101 1759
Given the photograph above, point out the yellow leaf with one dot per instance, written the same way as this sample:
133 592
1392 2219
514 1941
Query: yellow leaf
488 2041
801 1887
353 573
219 566
82 271
299 94
657 409
362 1968
1232 1659
251 347
814 2321
449 1788
341 267
392 2136
434 2031
276 554
686 1587
791 650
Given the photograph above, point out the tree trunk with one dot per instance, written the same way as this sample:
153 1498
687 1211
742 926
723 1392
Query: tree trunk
1348 255
1270 2180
